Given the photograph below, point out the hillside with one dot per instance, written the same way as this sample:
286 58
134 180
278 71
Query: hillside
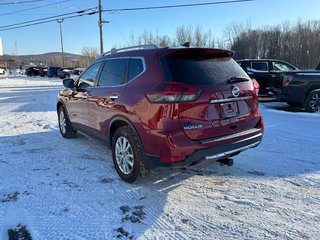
45 55
46 59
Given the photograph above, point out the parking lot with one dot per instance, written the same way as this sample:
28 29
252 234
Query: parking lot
68 188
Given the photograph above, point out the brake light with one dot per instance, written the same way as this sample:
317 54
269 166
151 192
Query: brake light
286 80
256 87
173 92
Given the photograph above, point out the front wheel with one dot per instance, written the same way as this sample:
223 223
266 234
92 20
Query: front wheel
312 103
65 125
127 153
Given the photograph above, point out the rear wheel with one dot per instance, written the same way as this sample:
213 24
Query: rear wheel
312 103
65 125
127 153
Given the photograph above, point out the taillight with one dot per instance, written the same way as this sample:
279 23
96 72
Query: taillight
286 80
173 92
256 87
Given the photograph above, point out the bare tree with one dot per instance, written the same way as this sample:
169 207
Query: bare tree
233 30
183 34
297 43
88 55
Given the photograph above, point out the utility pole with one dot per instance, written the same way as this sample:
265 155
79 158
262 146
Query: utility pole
60 21
15 43
100 26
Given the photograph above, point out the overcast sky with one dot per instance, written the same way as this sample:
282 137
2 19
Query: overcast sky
83 31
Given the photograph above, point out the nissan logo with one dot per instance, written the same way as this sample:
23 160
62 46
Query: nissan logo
235 91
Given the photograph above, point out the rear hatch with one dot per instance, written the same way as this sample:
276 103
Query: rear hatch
226 97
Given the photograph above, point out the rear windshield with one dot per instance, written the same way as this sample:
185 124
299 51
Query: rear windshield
200 70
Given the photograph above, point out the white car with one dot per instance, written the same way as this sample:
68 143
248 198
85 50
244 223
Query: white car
76 73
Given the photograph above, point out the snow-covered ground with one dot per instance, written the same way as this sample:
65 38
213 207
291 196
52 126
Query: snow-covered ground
68 188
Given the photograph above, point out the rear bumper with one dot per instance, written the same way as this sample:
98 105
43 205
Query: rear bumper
215 153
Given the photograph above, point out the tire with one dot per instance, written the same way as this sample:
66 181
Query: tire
293 104
65 126
312 103
127 154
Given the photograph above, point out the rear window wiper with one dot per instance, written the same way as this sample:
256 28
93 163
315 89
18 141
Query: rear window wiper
237 80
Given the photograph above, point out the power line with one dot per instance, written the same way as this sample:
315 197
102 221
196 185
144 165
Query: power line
11 3
23 24
175 6
46 18
28 9
116 26
52 20
26 3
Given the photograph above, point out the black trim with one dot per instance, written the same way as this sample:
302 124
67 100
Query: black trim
90 133
64 105
199 155
123 119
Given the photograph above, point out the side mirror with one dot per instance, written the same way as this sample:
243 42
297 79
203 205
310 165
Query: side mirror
68 83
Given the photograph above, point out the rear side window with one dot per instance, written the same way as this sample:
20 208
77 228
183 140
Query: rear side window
259 66
114 72
244 65
136 68
200 71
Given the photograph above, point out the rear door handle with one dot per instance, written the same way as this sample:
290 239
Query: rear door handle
114 97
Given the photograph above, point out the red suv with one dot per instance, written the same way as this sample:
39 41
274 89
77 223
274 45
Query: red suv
163 107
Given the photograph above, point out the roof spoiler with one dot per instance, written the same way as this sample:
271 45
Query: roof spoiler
206 52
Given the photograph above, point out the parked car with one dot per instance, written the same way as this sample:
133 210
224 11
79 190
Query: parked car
302 89
64 72
163 107
268 73
53 71
2 71
76 73
32 71
43 71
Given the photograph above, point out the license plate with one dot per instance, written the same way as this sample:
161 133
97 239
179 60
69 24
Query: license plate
229 109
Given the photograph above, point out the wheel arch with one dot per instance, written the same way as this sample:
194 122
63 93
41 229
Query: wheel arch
310 89
116 123
61 103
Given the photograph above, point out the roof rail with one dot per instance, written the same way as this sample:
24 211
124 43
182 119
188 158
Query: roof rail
148 46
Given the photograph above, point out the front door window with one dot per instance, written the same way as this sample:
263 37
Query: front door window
89 77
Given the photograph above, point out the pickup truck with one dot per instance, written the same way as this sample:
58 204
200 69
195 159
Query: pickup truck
299 88
268 73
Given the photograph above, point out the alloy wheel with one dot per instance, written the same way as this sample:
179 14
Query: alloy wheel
315 102
62 122
124 155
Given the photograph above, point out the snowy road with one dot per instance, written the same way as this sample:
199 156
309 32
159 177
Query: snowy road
68 189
